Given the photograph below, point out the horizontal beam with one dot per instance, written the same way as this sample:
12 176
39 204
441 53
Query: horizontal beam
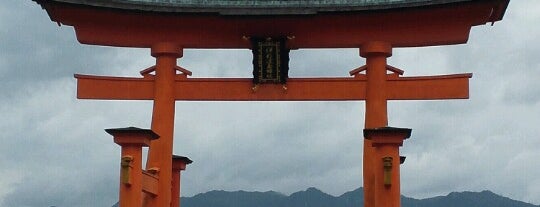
149 183
298 89
429 87
406 27
114 88
314 89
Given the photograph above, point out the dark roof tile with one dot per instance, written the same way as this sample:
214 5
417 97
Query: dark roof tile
255 7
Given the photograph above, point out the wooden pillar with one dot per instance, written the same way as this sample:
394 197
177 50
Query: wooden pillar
386 142
160 152
178 164
131 140
376 108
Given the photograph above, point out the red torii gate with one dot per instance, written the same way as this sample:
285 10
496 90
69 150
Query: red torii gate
167 28
166 87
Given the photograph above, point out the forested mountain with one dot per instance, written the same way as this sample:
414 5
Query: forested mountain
313 197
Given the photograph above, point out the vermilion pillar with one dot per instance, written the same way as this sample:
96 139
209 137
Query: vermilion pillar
131 140
161 150
178 164
376 109
386 163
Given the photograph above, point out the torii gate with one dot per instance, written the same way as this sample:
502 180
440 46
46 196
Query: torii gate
166 87
374 27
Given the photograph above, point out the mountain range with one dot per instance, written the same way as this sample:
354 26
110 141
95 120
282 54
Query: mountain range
313 197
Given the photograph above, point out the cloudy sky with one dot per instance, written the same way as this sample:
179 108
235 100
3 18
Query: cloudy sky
54 150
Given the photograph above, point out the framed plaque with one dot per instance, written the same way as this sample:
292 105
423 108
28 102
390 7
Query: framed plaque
270 60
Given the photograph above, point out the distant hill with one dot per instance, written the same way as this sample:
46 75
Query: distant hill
313 197
465 199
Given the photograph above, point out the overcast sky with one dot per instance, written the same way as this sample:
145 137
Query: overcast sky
54 150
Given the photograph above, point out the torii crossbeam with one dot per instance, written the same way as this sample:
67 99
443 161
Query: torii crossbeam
298 89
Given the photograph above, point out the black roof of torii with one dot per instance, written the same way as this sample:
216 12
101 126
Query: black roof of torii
260 7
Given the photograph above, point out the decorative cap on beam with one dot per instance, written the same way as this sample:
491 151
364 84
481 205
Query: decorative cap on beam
167 48
378 48
182 158
132 135
180 162
387 135
387 130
